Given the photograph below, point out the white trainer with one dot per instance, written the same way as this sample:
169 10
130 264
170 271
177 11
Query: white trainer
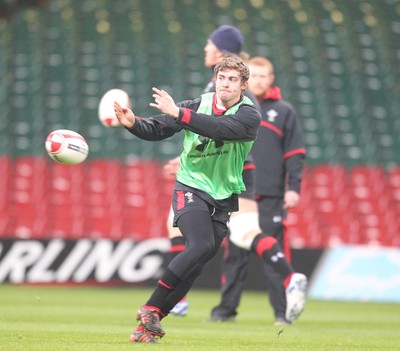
180 309
296 296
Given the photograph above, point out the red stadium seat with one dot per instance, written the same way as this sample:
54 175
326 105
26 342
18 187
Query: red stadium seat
30 220
6 171
110 199
328 174
105 222
68 221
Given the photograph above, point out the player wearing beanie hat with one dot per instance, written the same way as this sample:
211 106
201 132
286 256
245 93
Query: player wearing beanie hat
224 40
228 39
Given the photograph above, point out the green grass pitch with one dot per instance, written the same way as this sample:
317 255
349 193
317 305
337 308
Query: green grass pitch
94 318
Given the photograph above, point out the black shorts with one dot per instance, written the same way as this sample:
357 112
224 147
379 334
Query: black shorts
187 201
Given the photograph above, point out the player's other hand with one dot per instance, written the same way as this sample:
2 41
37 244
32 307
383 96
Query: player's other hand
171 167
291 199
125 115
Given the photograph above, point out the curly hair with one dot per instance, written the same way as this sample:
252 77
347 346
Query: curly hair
233 62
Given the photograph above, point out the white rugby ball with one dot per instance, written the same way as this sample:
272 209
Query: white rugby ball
106 106
67 147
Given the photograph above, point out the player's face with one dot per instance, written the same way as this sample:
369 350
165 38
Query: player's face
260 80
229 87
212 55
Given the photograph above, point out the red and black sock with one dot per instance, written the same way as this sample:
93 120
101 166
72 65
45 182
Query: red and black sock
269 250
165 286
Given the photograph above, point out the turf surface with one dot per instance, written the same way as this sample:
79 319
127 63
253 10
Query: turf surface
85 319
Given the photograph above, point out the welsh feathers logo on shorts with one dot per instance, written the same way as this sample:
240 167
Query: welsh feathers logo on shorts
189 197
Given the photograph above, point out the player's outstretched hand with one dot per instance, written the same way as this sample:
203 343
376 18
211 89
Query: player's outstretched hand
125 115
165 103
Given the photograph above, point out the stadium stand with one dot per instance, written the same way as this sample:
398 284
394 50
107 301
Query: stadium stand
336 61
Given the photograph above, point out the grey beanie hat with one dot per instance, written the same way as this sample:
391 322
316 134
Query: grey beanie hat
228 39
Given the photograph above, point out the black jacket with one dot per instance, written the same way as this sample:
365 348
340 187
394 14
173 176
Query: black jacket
279 150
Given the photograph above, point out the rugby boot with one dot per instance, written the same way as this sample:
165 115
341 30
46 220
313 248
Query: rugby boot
150 319
140 334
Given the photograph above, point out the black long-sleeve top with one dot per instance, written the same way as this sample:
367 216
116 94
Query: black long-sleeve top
279 150
241 126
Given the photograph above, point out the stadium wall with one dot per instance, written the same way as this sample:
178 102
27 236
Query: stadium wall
104 261
350 273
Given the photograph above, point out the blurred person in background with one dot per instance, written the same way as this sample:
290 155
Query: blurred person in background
279 157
